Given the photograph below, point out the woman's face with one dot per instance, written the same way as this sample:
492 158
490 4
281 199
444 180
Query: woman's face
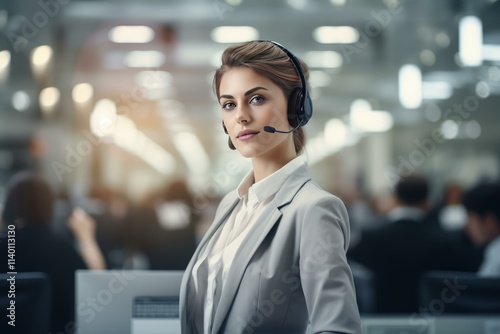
250 101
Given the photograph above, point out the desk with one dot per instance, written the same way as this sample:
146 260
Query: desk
427 324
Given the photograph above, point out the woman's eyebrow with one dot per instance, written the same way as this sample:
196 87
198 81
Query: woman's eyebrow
248 92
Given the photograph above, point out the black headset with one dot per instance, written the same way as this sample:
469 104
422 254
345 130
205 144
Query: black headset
300 106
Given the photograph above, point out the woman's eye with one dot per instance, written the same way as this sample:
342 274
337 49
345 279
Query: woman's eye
228 105
257 99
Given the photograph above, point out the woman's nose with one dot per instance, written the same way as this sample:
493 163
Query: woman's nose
242 114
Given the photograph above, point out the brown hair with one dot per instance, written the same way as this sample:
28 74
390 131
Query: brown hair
29 199
268 60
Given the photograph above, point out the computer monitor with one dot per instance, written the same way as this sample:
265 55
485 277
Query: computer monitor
109 301
31 294
443 292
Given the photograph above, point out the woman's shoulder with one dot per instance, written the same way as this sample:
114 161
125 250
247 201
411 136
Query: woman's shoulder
317 211
312 193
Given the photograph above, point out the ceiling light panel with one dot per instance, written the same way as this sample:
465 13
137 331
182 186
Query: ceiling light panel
336 35
234 34
131 34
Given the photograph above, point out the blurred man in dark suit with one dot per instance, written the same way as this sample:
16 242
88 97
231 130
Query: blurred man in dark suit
483 227
402 250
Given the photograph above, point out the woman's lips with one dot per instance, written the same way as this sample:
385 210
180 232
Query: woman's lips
246 134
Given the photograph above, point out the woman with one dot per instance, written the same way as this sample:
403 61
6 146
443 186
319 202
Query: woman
274 259
29 207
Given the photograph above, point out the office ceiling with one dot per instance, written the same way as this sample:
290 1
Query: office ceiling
423 32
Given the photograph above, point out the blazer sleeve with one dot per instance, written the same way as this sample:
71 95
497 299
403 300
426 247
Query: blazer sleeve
326 277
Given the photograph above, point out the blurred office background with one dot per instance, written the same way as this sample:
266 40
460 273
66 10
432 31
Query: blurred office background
112 102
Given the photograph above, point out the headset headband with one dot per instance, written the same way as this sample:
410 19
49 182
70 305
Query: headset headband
297 64
305 106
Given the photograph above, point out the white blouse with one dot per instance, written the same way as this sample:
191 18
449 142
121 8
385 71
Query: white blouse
220 250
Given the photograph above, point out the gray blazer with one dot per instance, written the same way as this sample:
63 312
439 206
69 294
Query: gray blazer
290 270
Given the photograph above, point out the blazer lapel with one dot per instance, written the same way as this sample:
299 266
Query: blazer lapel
222 214
269 217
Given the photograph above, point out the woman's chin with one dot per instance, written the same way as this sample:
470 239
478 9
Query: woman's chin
246 154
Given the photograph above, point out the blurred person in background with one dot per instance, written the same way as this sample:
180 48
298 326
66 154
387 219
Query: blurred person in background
452 216
403 249
29 206
159 234
483 208
449 214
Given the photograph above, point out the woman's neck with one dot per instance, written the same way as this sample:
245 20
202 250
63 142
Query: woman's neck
263 167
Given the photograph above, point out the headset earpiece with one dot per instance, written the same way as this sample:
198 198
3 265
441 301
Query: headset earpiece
295 106
300 106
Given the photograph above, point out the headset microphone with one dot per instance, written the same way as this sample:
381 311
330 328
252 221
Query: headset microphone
270 129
